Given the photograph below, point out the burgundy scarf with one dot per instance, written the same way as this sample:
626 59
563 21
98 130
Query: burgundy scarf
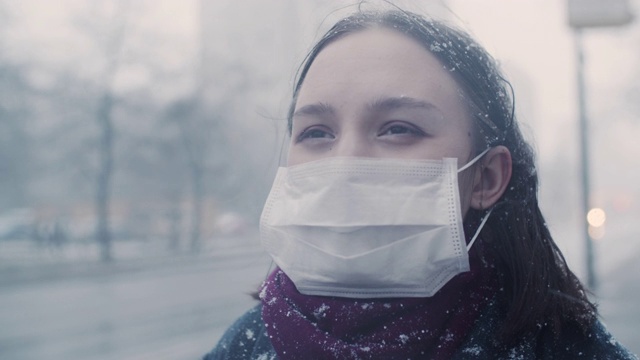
319 327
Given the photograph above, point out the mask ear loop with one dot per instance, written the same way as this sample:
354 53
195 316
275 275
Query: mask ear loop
475 236
473 161
484 220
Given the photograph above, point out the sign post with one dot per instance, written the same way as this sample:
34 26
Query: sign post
584 14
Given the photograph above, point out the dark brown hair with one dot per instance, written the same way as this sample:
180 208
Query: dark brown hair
538 286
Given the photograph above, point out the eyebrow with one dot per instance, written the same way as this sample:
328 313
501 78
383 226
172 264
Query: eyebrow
393 103
382 104
315 109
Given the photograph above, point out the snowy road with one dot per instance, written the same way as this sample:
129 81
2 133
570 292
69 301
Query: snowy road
174 311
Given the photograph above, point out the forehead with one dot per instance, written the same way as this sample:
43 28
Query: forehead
378 62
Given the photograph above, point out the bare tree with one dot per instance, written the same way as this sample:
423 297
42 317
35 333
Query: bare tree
15 149
113 34
103 188
153 162
200 133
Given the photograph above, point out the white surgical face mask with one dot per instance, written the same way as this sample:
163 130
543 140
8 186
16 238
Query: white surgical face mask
367 227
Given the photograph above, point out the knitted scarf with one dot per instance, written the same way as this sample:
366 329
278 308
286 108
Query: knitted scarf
319 327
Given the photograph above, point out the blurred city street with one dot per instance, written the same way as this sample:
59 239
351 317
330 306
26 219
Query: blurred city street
160 310
178 309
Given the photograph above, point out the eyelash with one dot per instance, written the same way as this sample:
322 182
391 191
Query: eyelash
409 129
406 128
308 132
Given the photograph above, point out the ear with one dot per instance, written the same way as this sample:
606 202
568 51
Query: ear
491 178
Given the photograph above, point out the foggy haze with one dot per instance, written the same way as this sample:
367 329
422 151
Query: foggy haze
194 95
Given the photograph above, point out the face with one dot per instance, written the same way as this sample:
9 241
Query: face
379 93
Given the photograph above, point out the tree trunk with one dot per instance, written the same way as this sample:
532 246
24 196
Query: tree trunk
198 197
105 172
175 219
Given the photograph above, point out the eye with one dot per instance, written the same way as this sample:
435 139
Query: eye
315 132
401 128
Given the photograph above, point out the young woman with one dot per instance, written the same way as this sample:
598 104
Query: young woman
406 224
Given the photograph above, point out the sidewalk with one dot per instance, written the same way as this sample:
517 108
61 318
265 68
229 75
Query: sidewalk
619 299
22 263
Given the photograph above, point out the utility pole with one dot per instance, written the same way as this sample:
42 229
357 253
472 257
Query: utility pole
584 14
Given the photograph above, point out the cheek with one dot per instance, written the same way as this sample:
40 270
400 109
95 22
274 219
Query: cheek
465 188
294 156
297 154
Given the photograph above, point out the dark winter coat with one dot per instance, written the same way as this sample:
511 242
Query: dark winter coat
247 339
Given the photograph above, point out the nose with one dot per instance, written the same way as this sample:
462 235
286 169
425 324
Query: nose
352 143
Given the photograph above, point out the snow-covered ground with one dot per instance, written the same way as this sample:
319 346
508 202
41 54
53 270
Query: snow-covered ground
148 305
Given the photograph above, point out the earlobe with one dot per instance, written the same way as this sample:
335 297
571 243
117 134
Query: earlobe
492 178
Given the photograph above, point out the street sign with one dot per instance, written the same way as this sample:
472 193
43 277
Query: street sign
599 13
